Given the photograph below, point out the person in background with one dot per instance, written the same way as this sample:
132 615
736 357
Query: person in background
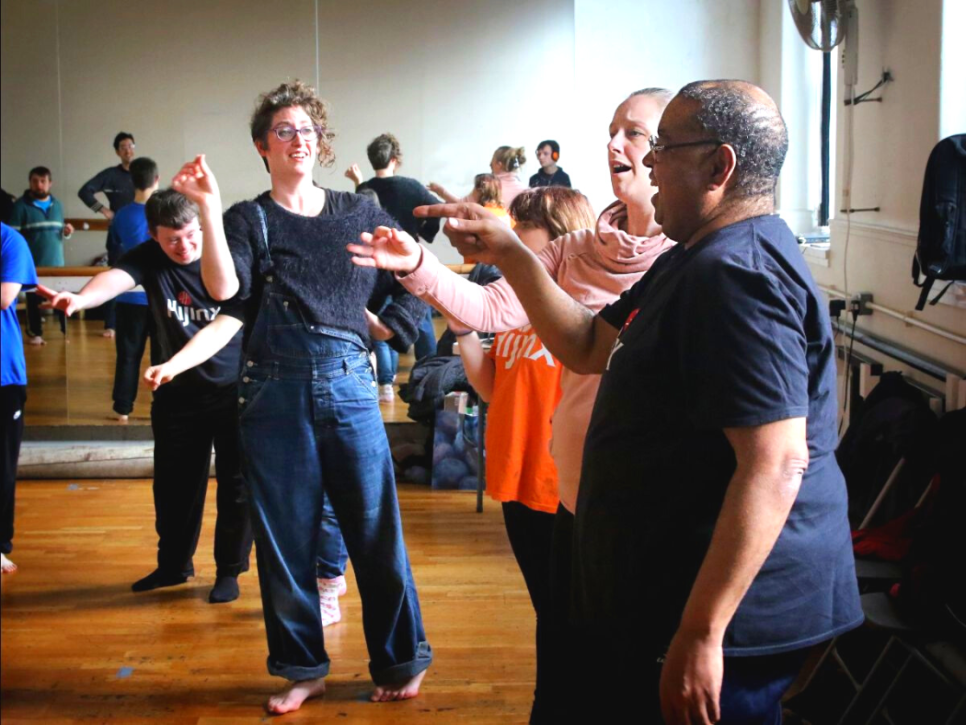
115 185
39 216
129 230
520 380
398 195
17 273
195 386
505 165
550 174
487 193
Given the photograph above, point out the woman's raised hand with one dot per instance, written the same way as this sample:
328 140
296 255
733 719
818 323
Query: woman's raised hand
196 181
387 248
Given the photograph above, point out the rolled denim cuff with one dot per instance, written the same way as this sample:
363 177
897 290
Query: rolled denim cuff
297 674
401 673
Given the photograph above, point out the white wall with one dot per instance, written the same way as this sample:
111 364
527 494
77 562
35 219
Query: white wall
452 79
892 142
624 45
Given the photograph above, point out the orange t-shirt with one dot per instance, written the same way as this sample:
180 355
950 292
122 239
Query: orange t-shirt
526 389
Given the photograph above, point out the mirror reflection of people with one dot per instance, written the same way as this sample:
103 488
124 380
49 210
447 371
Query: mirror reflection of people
550 173
17 273
195 385
505 165
39 216
115 186
310 420
129 230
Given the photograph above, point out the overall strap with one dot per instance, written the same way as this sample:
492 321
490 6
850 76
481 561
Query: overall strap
266 267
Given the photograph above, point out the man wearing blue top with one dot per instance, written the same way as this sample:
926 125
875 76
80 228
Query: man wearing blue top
711 538
18 273
129 230
39 216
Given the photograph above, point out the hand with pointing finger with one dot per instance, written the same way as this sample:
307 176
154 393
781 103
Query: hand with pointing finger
196 181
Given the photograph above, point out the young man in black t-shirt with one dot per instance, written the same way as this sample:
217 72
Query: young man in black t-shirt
195 394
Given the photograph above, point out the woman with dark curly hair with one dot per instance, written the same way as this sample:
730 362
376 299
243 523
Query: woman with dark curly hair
310 422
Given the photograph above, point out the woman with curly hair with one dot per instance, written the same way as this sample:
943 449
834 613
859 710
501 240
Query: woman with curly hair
309 413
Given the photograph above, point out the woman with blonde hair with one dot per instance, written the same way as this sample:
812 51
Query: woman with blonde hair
593 266
505 165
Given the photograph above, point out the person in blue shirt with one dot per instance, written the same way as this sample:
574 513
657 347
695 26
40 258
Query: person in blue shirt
129 229
18 273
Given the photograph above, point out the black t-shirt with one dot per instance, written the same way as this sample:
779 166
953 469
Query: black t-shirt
399 195
180 308
542 178
313 268
730 333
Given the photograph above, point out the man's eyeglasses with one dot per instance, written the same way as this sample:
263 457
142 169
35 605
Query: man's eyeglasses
287 133
657 147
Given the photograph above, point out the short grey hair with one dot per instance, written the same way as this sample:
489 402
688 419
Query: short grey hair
755 130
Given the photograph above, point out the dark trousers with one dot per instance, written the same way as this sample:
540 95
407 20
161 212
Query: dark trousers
187 422
133 327
35 326
531 537
12 399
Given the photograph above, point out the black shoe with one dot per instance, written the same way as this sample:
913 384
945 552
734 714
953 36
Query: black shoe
157 579
224 591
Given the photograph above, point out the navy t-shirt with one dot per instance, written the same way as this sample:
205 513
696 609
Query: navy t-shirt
730 333
17 268
180 307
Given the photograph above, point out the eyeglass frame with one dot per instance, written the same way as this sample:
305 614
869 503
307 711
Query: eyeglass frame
657 148
318 130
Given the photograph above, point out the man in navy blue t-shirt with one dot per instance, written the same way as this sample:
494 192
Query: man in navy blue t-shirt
711 540
18 273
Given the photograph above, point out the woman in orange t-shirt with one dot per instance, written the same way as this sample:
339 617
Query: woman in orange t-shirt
520 380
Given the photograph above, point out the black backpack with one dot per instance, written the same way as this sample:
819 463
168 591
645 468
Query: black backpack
933 587
941 250
893 422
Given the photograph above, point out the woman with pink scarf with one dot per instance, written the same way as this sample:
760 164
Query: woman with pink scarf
594 266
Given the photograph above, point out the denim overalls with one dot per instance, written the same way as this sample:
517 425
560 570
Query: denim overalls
311 430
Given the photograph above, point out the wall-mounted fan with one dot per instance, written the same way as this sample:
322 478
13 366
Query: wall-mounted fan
825 24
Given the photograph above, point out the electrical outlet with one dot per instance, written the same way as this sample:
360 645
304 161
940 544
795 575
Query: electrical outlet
859 304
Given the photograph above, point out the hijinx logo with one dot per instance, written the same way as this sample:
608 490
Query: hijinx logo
185 313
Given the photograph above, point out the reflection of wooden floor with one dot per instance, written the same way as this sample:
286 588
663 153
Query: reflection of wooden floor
70 383
77 644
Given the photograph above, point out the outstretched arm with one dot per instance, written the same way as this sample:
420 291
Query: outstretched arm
200 348
577 337
198 183
442 193
102 288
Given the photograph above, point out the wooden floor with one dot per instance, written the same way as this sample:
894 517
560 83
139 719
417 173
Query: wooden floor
78 645
70 380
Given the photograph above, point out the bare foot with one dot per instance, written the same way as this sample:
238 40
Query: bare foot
108 334
36 341
291 698
405 691
7 566
120 418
